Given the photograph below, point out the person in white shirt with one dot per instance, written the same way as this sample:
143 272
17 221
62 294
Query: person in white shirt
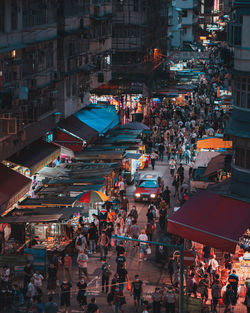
122 188
38 279
143 245
31 292
213 265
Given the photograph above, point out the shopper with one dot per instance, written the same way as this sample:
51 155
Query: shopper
92 237
82 261
119 300
137 291
233 280
104 243
51 306
82 293
66 295
143 246
106 273
92 306
203 288
51 279
247 300
122 277
170 300
153 157
67 266
157 298
216 294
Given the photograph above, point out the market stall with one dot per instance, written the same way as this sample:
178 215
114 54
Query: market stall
131 162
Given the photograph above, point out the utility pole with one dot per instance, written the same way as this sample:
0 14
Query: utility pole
177 247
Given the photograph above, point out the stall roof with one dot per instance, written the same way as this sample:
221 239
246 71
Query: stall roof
13 186
55 190
36 156
75 126
195 220
100 118
215 164
78 182
31 218
121 139
99 154
135 156
135 125
65 213
53 201
204 157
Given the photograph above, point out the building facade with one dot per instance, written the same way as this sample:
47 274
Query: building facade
51 53
239 125
183 22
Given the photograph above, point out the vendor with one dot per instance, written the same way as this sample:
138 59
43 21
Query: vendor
69 231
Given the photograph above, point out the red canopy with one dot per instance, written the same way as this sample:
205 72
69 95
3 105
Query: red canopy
13 186
211 219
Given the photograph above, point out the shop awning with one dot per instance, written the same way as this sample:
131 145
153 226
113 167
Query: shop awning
215 143
52 201
31 219
204 157
211 219
36 156
77 128
215 164
13 186
100 118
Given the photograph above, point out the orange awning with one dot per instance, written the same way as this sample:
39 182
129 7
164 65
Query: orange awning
214 143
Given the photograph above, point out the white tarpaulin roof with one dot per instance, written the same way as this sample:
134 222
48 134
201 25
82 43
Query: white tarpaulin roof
204 157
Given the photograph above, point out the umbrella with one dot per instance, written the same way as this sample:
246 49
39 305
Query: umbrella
135 125
93 197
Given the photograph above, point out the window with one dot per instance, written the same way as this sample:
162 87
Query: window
68 87
184 13
235 31
14 15
242 157
136 5
2 15
74 85
119 5
241 92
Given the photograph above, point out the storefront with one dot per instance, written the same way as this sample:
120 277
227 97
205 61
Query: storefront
130 164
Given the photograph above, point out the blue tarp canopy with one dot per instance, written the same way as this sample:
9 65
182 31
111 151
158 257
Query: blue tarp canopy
100 118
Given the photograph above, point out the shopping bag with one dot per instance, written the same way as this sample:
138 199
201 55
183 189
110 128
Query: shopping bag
128 286
220 301
148 250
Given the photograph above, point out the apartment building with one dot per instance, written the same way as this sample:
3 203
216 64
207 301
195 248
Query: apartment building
139 37
183 22
239 125
51 51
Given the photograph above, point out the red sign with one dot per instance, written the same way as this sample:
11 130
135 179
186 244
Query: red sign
189 258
